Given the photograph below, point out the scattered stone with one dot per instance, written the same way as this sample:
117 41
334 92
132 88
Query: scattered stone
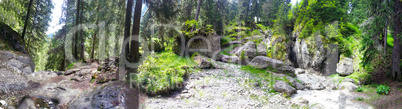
345 66
283 87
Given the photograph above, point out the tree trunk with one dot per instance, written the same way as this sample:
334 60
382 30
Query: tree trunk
198 10
385 37
82 36
136 30
125 48
94 38
75 53
396 56
26 19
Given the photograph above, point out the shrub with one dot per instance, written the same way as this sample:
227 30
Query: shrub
359 89
382 89
163 73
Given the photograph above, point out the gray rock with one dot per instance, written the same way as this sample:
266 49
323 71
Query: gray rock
295 83
20 61
41 76
317 86
3 103
230 59
345 66
232 43
283 87
348 86
209 45
11 78
27 103
261 50
105 98
348 80
263 62
202 62
249 50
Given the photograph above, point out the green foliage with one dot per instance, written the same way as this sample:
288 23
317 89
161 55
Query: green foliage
359 89
191 23
382 89
163 73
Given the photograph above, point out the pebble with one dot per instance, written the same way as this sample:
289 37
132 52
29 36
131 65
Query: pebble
3 103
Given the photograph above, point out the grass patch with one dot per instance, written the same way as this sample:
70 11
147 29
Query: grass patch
263 74
163 73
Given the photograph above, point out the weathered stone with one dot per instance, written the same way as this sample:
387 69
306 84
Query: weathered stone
261 50
317 86
263 62
348 86
41 76
230 59
345 66
209 45
295 83
283 87
348 80
249 50
27 103
202 62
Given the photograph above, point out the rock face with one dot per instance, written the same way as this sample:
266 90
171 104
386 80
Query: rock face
345 66
11 37
20 61
313 55
283 87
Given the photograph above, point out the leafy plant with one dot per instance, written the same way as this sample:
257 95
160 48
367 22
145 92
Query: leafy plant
359 89
382 89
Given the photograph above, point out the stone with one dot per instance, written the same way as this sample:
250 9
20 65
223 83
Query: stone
20 61
261 50
232 43
249 50
317 86
349 80
283 87
202 62
345 66
295 84
41 76
262 62
3 103
27 103
12 37
348 86
209 45
108 97
230 59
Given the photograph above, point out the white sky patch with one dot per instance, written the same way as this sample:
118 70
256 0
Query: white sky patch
294 2
55 17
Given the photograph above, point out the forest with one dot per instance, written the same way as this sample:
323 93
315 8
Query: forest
200 54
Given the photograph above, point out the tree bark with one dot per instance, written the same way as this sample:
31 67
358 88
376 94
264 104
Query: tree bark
198 10
396 56
125 48
136 30
385 37
82 36
75 53
94 38
26 19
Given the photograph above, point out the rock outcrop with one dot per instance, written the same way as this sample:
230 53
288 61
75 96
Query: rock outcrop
263 62
248 50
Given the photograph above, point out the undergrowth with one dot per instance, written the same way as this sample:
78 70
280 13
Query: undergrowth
163 73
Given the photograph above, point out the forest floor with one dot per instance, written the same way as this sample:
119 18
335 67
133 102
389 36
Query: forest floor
231 87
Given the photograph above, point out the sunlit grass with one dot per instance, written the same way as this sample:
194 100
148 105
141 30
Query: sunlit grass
163 73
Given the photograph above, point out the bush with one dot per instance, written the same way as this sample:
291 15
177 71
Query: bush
382 89
359 89
161 74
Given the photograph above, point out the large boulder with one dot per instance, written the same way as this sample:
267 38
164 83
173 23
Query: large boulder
20 61
263 62
249 50
208 45
261 50
296 84
345 66
283 87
